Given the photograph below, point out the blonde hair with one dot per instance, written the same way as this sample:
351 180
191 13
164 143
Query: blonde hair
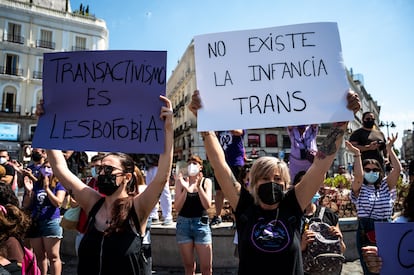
264 166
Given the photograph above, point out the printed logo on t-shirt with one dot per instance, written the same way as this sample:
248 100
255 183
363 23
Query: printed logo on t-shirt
270 236
225 139
41 196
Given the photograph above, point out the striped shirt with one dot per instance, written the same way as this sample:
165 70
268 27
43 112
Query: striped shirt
374 203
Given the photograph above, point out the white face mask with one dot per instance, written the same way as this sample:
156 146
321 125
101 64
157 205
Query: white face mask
3 160
193 170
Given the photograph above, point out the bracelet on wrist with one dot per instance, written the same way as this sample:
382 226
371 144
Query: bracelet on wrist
357 156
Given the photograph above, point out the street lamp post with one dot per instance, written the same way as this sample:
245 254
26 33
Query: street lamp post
387 124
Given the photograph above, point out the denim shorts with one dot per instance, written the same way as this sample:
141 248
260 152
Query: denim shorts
196 230
47 229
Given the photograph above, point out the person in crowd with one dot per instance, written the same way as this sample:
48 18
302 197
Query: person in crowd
146 239
234 151
38 157
303 147
370 140
44 198
77 162
373 195
165 202
370 253
112 244
268 219
10 177
14 249
192 200
13 224
344 172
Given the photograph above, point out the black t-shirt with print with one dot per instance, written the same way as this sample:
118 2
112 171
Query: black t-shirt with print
365 137
269 240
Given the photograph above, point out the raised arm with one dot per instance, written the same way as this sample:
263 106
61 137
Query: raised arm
358 173
83 194
310 182
146 201
228 183
393 176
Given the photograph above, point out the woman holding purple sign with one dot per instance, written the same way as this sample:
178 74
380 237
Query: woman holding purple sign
117 220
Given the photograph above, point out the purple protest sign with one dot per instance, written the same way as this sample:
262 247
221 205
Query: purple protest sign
103 101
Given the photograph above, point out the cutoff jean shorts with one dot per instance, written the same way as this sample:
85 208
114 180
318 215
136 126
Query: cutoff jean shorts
49 228
196 230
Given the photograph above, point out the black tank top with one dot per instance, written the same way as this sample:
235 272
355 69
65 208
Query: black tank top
117 253
192 207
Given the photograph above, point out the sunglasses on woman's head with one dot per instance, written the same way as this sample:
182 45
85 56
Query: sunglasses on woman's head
373 170
108 169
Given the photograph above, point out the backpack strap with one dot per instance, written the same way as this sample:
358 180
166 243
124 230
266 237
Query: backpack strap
93 212
321 212
135 219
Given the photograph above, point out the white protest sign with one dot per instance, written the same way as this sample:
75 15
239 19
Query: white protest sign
271 77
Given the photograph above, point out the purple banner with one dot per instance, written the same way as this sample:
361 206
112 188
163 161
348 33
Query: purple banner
103 101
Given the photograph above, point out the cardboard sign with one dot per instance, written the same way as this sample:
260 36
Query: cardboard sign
395 243
271 77
103 101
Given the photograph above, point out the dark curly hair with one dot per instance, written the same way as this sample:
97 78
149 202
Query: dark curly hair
7 195
13 222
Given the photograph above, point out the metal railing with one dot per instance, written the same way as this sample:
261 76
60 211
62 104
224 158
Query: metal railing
37 74
10 108
11 71
45 44
77 48
13 38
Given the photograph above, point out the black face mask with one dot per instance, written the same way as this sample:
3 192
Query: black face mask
368 124
270 193
107 184
36 156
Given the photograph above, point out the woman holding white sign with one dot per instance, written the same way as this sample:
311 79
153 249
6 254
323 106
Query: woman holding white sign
268 219
113 240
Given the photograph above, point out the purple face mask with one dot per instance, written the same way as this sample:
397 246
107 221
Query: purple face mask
46 171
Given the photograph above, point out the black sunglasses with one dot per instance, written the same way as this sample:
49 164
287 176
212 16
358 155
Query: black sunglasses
107 169
373 170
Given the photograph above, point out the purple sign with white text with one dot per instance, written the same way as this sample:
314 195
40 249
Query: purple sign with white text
103 101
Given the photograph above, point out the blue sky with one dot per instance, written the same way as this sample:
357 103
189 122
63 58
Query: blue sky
377 36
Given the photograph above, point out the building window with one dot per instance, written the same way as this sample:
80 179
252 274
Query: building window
286 141
12 65
271 140
253 140
8 105
46 40
14 34
38 73
80 44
